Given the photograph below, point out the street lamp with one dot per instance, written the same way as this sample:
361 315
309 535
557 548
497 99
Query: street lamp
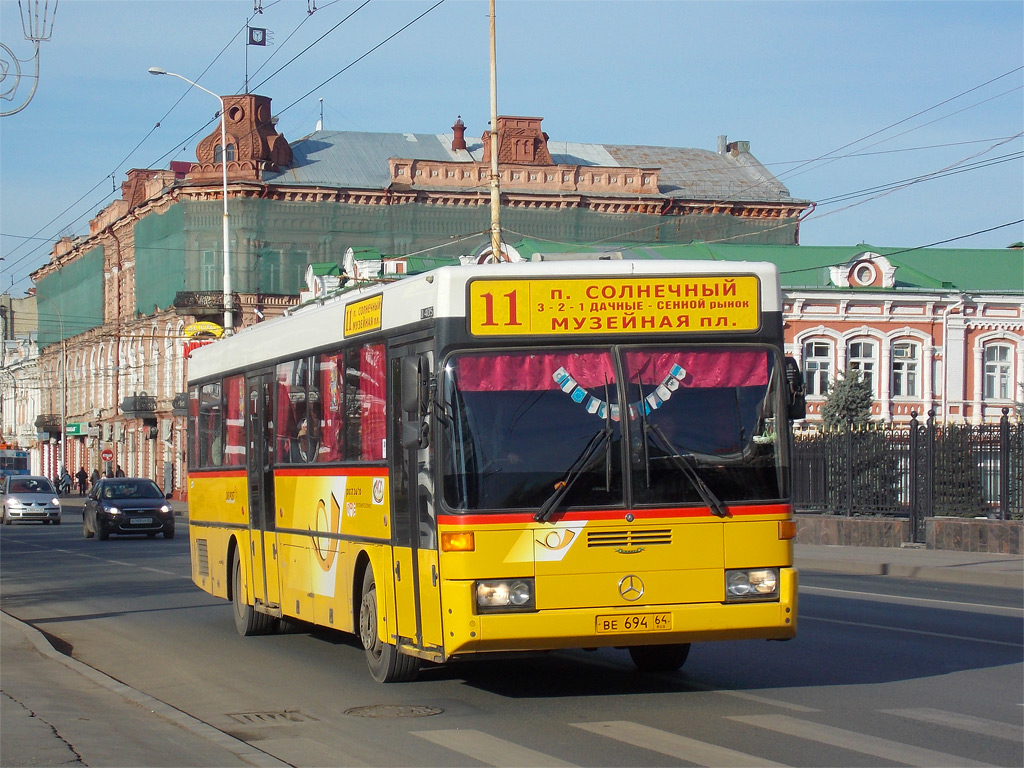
228 309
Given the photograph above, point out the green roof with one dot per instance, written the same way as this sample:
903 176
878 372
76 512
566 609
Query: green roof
807 266
325 268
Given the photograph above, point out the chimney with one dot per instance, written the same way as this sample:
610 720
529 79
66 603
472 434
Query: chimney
459 140
723 142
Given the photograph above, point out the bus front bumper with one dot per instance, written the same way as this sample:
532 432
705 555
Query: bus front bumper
622 626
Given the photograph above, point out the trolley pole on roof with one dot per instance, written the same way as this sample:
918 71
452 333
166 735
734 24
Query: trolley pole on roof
495 191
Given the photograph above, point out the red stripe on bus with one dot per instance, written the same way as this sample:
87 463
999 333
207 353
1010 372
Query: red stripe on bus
332 471
518 518
215 473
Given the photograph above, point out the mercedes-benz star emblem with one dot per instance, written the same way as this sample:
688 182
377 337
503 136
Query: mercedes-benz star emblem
631 587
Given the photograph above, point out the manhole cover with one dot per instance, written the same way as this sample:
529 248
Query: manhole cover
271 718
394 710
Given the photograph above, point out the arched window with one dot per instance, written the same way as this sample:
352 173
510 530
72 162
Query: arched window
817 366
905 363
998 372
861 357
218 151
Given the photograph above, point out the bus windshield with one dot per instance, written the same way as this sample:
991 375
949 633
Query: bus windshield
686 424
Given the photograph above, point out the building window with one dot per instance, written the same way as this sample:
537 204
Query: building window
862 358
210 277
218 151
998 372
817 366
904 369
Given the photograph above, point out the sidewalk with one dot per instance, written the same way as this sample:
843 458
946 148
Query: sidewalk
976 568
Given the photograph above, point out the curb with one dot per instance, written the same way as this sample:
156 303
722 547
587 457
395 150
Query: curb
944 575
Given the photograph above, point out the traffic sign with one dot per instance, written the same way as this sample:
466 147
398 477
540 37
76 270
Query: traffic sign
107 455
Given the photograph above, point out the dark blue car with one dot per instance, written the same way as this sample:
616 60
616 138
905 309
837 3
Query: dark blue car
126 505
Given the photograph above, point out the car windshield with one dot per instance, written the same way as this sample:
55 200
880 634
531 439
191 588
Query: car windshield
687 425
30 485
131 489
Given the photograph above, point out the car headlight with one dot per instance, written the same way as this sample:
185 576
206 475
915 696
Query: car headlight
165 509
752 584
55 502
504 595
113 510
14 503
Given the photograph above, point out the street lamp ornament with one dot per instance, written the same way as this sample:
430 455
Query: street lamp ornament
37 25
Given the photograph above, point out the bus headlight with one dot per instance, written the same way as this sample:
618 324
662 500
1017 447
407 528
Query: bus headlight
504 595
752 584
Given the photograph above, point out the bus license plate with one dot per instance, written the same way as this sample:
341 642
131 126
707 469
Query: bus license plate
634 622
142 521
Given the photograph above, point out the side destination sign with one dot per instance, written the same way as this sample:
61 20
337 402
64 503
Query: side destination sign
700 303
363 316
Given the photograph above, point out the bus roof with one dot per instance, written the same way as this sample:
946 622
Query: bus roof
440 293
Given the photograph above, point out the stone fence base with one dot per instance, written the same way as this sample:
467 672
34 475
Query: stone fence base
955 533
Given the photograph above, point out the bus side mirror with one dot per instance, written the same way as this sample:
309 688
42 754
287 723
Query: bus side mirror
797 404
415 398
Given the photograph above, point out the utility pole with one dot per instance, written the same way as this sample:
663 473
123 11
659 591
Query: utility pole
495 191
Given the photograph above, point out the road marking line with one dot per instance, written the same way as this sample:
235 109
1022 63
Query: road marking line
884 598
490 750
804 617
672 744
883 749
978 725
751 697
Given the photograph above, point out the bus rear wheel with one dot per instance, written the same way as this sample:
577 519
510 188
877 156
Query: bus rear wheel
248 621
387 664
659 658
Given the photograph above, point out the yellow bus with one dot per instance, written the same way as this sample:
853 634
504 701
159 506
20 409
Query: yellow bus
505 457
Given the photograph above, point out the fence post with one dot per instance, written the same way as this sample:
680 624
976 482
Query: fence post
1004 465
915 512
848 437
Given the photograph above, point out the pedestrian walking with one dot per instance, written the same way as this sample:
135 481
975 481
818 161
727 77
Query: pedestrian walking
83 480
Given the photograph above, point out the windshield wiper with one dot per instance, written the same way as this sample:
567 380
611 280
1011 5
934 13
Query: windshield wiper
582 463
680 461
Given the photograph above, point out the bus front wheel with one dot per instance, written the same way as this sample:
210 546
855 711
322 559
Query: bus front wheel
248 621
387 664
659 658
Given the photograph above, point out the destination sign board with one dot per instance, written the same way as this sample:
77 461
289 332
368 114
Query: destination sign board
599 305
364 316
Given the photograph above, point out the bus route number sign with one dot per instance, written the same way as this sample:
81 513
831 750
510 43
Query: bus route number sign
546 306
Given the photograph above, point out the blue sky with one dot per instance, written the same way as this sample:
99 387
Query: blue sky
874 93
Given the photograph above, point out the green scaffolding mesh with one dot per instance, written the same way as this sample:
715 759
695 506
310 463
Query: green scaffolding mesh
70 300
272 242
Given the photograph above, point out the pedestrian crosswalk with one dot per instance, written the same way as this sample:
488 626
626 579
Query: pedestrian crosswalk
496 751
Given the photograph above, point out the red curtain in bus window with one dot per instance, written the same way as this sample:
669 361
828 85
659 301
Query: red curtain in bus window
533 372
234 424
284 422
372 393
330 368
193 426
704 368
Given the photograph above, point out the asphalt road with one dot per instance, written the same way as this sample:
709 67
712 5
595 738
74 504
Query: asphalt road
884 671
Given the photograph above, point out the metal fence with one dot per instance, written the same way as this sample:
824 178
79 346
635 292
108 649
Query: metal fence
916 471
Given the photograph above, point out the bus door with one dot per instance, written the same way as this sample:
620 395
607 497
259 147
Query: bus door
414 524
259 390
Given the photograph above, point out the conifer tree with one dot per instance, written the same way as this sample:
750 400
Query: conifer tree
849 400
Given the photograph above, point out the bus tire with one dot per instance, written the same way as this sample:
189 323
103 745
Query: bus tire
659 658
387 664
248 621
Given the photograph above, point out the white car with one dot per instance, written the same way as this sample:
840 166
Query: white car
29 497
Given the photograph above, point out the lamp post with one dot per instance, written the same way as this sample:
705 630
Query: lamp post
63 383
228 308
